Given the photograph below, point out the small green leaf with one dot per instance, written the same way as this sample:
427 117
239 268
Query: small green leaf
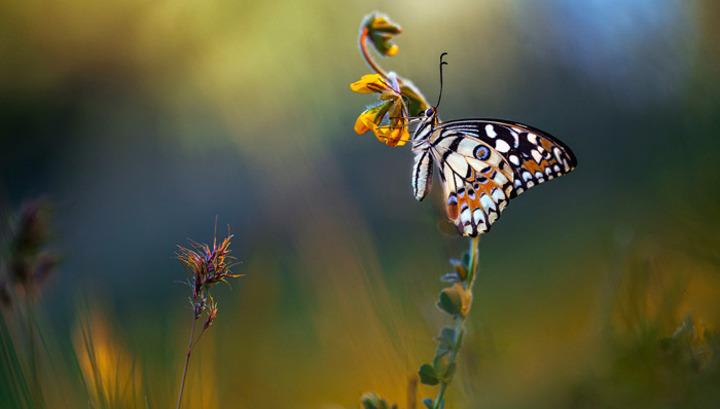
427 375
428 403
450 301
455 300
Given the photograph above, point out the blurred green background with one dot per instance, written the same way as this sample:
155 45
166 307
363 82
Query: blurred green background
141 121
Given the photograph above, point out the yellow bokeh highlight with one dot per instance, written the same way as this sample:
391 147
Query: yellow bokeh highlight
108 369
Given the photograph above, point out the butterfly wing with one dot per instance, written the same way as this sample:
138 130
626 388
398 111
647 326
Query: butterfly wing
485 163
534 155
422 174
477 181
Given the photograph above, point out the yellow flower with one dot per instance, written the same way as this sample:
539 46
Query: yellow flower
387 119
370 83
369 119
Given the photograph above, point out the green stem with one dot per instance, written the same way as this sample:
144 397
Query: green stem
459 327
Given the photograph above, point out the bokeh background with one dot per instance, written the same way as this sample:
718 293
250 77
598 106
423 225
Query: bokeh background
141 122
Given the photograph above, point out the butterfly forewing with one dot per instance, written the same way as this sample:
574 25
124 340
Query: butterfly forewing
483 164
535 156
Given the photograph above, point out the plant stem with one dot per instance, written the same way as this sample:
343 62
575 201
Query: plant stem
366 54
32 356
187 362
459 327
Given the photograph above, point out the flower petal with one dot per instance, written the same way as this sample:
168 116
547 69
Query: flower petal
368 84
370 118
362 124
392 135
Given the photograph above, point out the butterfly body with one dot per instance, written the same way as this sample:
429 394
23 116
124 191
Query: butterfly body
483 164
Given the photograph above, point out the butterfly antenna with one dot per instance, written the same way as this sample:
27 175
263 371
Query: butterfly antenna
442 62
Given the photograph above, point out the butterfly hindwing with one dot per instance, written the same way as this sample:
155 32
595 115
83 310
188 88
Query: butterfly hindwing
476 181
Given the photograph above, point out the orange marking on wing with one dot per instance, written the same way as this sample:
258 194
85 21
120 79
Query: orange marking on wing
486 188
533 167
452 211
473 203
489 185
546 144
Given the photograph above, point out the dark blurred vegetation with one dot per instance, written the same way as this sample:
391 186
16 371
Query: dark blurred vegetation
141 121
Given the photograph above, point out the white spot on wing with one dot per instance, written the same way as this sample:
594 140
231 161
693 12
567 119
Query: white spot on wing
500 179
501 146
465 216
536 155
490 131
468 230
478 216
492 217
487 203
498 195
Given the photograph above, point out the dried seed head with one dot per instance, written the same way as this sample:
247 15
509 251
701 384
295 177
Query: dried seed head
212 311
32 228
29 264
208 265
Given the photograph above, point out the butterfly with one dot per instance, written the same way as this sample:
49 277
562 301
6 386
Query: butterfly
482 164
